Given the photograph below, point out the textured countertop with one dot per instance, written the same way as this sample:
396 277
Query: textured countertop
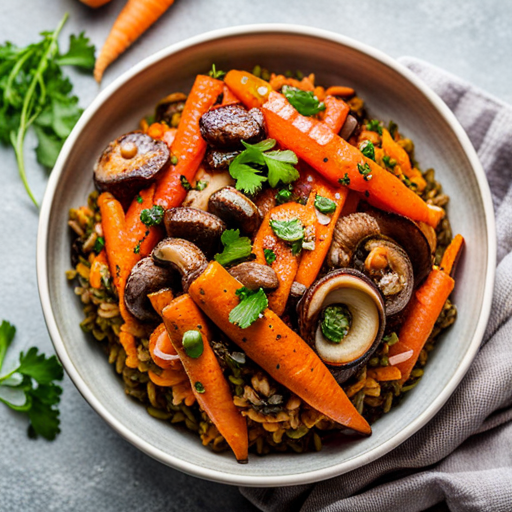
89 467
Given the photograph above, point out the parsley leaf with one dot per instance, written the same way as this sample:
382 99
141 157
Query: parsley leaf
389 162
35 93
305 102
152 216
324 204
345 180
99 244
288 230
368 149
270 256
365 171
235 247
31 387
185 183
216 73
247 167
374 126
80 53
252 304
283 196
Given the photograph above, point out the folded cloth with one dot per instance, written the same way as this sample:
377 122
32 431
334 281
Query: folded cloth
464 454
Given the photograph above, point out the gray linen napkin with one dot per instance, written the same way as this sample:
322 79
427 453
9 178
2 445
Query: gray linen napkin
464 455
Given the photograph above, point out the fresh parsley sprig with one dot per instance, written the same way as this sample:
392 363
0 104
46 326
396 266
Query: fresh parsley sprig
35 93
305 102
248 166
251 306
30 387
236 247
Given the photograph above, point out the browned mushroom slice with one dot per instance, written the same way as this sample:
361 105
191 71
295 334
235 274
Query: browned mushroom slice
181 255
220 160
197 226
226 127
349 230
235 209
214 181
146 278
349 127
129 164
342 317
389 267
169 109
255 275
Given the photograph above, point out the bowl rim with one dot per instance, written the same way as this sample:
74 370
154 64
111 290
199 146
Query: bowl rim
309 476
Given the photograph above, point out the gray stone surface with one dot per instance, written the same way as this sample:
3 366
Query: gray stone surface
89 467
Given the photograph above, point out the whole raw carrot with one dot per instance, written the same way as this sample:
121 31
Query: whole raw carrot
339 162
188 146
135 18
209 385
311 261
336 112
249 89
270 343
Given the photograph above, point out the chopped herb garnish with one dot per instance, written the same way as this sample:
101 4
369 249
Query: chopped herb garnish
252 304
247 167
305 102
18 388
336 322
365 171
199 387
216 73
324 204
345 180
99 244
236 247
185 183
136 250
368 149
297 247
391 339
201 185
174 159
152 216
288 230
389 162
193 344
35 92
374 126
283 196
139 199
270 256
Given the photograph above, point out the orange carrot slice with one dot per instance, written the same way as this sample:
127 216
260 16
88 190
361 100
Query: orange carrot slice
336 112
249 89
281 352
385 373
206 378
336 160
452 254
99 262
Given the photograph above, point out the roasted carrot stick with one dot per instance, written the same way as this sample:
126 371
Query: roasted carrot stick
426 307
270 343
135 18
286 263
340 90
168 378
160 346
336 112
208 382
336 160
307 83
160 299
228 98
384 373
97 265
249 89
311 261
451 255
188 145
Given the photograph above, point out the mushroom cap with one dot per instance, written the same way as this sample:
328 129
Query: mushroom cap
354 290
255 275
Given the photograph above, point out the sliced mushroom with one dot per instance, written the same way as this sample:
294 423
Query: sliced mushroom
236 209
389 267
298 290
349 230
347 303
146 278
169 109
129 164
349 127
226 127
181 255
214 181
255 275
197 226
220 160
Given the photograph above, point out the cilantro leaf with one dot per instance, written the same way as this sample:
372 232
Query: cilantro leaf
252 304
7 332
305 102
48 147
374 126
288 230
80 53
270 256
345 180
31 388
280 167
365 170
235 247
368 149
152 216
324 204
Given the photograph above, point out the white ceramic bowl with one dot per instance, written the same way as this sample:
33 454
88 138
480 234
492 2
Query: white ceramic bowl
391 92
